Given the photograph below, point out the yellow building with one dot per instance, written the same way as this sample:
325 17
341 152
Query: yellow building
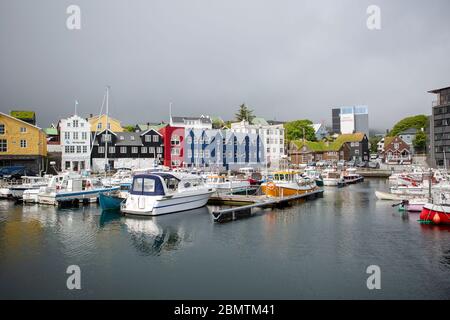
22 144
99 124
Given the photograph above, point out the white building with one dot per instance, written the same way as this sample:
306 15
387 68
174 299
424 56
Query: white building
75 144
272 137
347 120
202 122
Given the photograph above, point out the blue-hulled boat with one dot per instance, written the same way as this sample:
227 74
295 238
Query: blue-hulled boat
110 202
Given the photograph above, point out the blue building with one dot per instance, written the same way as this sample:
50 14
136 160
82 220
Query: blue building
223 149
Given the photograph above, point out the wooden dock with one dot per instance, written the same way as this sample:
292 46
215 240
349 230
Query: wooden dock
245 204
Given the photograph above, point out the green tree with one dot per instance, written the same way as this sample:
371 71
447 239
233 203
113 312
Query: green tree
128 128
417 122
244 113
218 124
420 141
295 129
373 143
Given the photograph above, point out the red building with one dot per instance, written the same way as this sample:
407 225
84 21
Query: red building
173 146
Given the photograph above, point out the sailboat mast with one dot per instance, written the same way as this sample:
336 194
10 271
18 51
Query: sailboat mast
107 134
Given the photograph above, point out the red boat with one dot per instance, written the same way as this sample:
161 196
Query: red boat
435 213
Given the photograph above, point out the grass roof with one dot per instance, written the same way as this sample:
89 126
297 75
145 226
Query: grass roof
323 146
22 114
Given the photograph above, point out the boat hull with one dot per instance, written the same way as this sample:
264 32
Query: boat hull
109 202
281 191
56 198
165 205
435 214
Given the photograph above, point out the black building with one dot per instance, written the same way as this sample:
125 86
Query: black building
336 120
439 133
127 149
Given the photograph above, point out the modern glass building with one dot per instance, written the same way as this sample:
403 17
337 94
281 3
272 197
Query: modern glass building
350 119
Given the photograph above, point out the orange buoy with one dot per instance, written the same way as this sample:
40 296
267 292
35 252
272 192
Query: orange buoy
436 218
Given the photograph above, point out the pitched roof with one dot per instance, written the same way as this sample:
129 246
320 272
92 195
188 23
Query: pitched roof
316 126
154 126
51 131
408 131
21 121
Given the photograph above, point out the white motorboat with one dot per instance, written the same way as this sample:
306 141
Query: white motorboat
120 177
392 197
165 192
27 184
224 185
350 176
333 178
70 188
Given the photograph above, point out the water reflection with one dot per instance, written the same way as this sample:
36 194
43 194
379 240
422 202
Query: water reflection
151 238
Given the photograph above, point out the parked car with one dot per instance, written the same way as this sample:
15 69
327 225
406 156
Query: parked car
350 163
18 173
341 163
373 156
311 164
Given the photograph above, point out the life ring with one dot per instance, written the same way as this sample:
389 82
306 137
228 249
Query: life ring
271 186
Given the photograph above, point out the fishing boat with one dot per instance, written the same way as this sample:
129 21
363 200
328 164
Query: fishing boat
228 185
165 192
287 183
111 201
72 188
333 178
435 214
28 183
350 176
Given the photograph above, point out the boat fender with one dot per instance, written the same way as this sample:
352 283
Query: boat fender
436 218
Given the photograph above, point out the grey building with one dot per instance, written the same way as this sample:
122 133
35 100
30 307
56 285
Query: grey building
350 119
439 133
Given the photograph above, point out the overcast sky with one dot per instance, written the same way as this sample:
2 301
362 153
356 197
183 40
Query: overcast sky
287 59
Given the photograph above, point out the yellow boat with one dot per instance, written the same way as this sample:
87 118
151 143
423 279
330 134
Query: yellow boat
287 183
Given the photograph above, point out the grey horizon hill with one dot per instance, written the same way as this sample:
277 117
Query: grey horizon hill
286 59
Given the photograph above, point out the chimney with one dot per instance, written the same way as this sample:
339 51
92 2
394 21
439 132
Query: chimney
91 115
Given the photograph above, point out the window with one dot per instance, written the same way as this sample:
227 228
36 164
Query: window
84 135
175 151
149 185
106 137
71 149
68 124
151 150
175 140
268 150
78 149
2 128
101 149
84 149
112 150
75 123
67 166
148 138
159 150
155 138
75 136
23 143
3 145
23 130
99 125
144 149
66 149
67 135
356 151
134 150
121 137
132 138
82 125
137 185
123 149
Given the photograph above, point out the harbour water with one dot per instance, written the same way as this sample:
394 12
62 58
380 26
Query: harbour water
314 250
